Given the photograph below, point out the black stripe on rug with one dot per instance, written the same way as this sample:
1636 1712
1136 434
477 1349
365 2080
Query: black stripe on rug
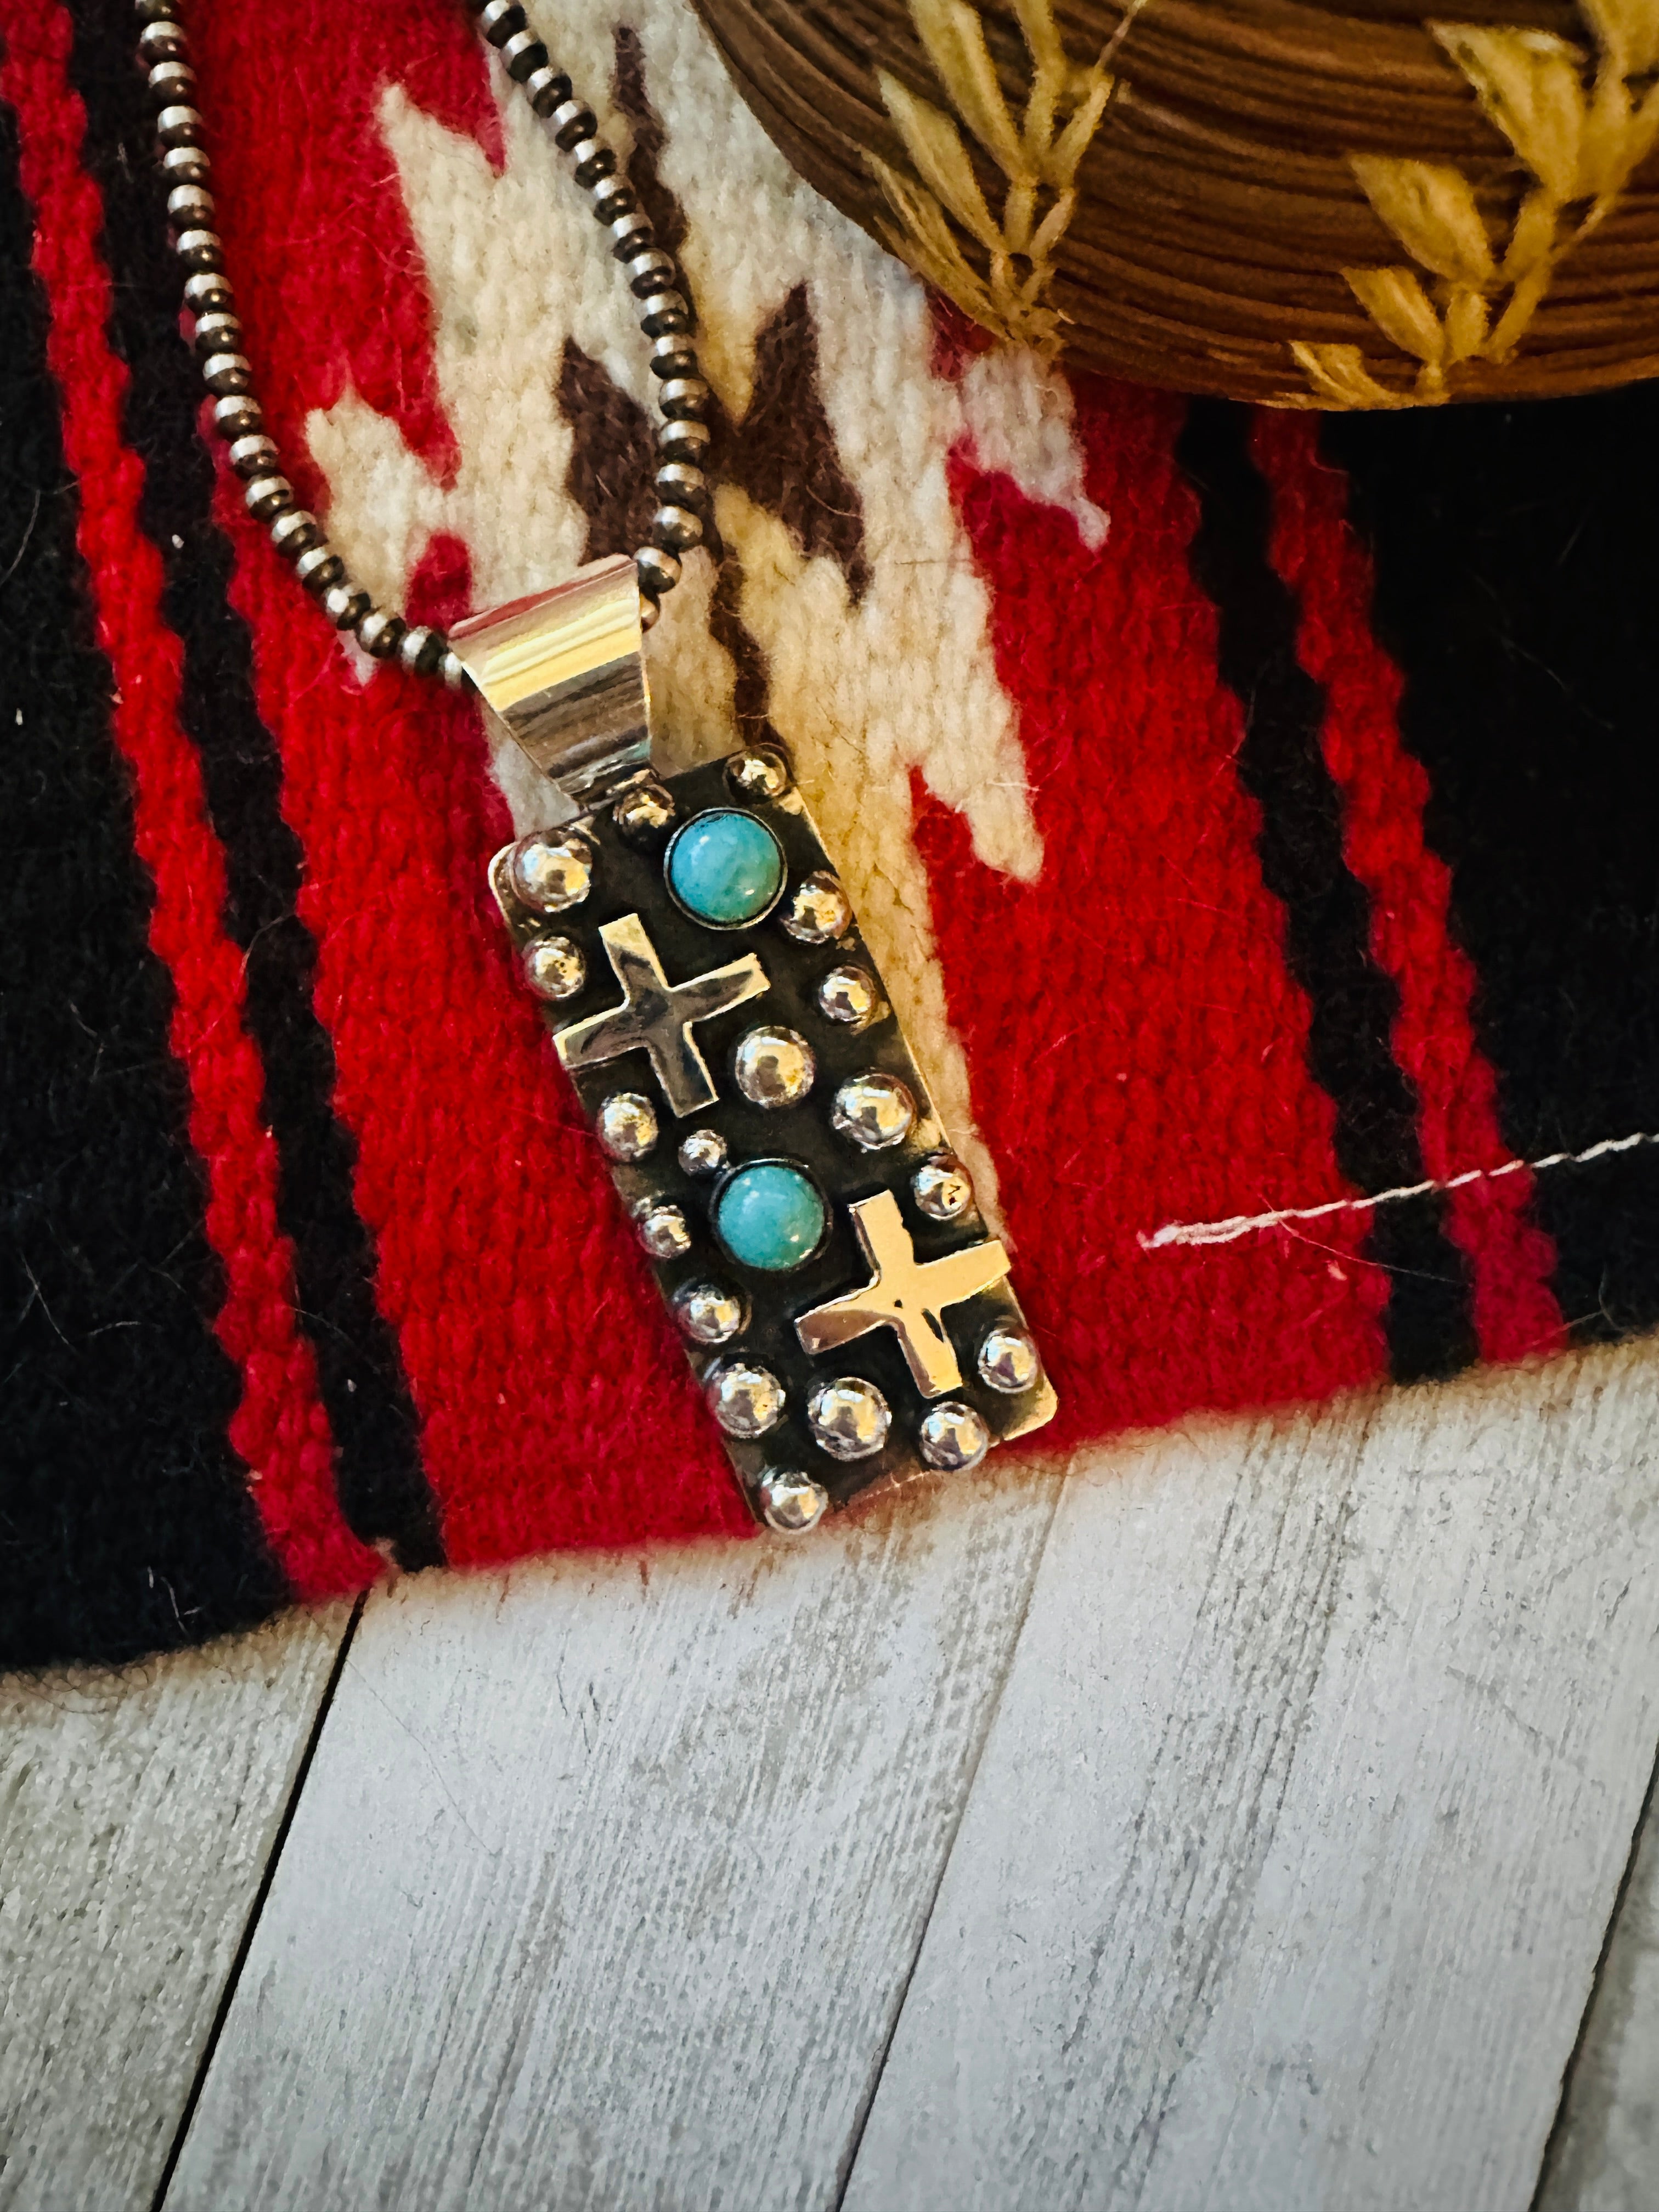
382 1486
125 1522
1352 1002
1517 587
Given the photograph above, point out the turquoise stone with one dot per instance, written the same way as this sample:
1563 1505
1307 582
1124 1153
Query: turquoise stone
769 1215
726 868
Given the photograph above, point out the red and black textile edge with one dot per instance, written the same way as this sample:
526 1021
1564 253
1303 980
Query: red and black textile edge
1353 1004
382 1489
1517 574
125 1524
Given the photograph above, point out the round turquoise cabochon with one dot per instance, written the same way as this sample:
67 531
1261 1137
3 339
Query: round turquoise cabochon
725 867
769 1215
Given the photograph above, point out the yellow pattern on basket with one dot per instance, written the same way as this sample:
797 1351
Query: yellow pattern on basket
1579 123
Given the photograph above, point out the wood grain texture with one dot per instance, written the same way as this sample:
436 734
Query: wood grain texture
1305 1808
609 1874
137 1814
1605 2157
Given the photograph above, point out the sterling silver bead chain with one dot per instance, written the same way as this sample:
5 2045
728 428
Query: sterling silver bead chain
664 310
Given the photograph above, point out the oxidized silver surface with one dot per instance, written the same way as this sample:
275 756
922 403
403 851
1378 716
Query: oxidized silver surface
830 1360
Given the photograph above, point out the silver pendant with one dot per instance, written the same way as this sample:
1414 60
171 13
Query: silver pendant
843 1307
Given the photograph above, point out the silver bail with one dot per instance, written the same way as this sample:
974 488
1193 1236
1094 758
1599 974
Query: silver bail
563 675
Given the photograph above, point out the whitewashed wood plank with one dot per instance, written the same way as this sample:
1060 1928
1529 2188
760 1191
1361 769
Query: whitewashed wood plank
136 1812
1605 2157
608 1873
1289 1857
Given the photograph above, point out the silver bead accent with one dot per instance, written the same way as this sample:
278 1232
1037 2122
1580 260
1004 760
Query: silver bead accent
451 671
547 88
673 357
849 1418
627 1126
226 372
572 123
849 996
554 967
941 1188
219 332
665 313
650 270
160 41
789 1503
550 870
208 293
676 529
379 633
295 532
179 126
684 396
520 48
954 1438
185 165
172 82
1008 1359
875 1110
591 158
319 567
703 1152
191 207
629 233
680 483
644 810
253 457
499 19
761 772
709 1314
649 612
345 605
773 1067
746 1400
266 497
238 414
662 1230
658 571
199 249
683 440
421 650
817 910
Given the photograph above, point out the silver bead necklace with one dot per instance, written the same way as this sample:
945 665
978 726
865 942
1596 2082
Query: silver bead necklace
845 1309
664 316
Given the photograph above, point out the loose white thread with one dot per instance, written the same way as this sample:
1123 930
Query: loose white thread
1241 1224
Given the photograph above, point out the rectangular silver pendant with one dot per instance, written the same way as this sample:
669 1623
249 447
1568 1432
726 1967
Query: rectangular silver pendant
843 1304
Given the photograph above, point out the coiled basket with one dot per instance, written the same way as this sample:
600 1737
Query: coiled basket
1365 205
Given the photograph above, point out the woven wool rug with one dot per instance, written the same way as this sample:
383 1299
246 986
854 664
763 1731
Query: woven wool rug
1254 815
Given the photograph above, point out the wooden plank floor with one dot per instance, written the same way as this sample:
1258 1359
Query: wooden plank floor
1251 1817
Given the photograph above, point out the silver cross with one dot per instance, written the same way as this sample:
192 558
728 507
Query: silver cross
906 1295
655 1016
